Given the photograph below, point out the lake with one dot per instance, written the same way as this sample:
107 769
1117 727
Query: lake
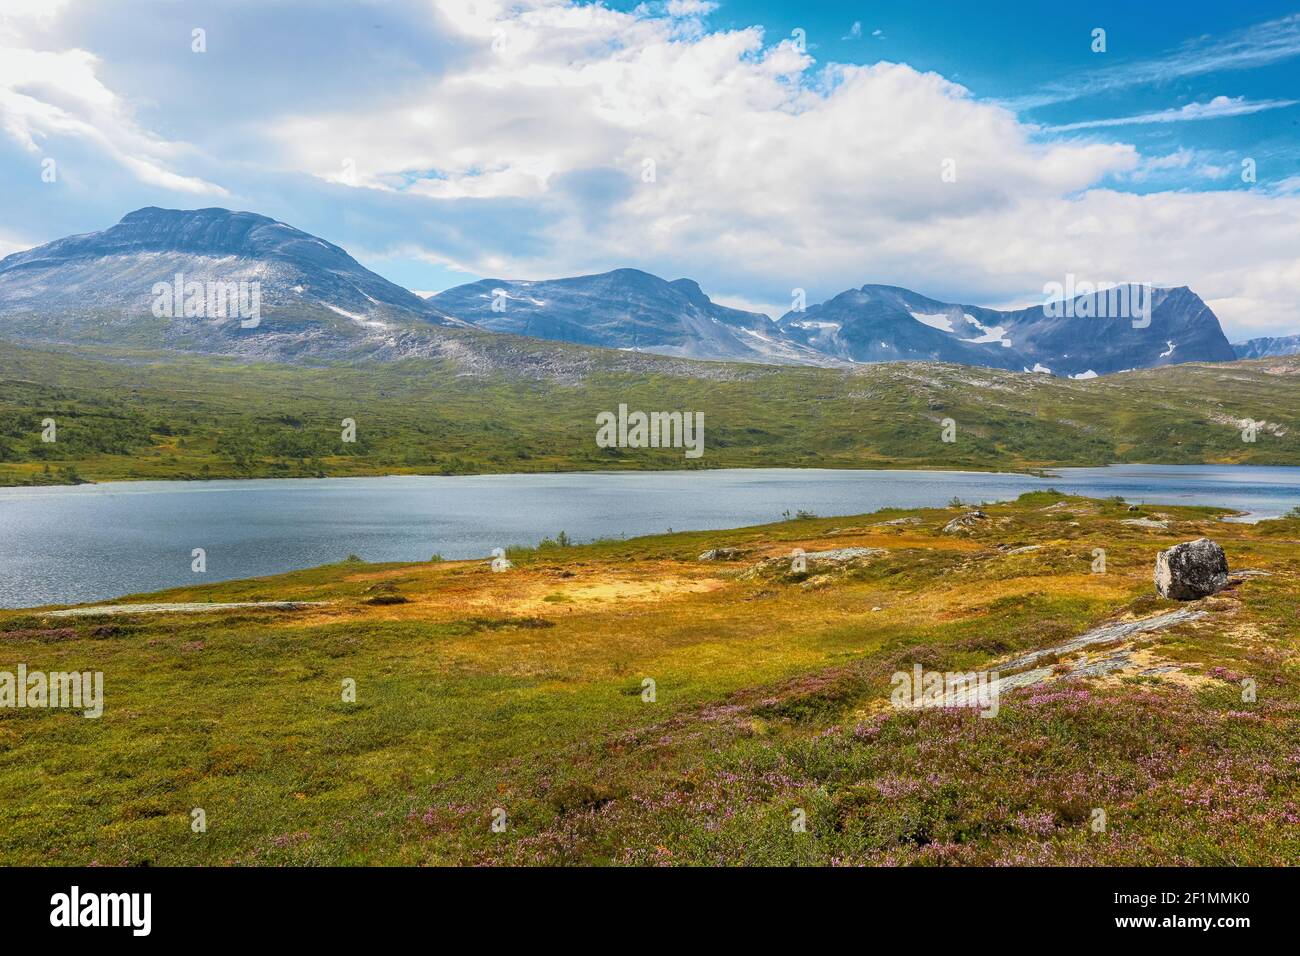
62 545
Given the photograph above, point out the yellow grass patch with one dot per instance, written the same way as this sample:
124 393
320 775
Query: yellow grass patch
552 597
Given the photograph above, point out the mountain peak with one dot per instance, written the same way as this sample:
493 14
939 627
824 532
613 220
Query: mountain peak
625 309
1081 336
310 291
154 213
319 300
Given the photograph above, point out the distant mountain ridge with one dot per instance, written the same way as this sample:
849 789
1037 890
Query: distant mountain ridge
626 309
878 323
319 303
1267 347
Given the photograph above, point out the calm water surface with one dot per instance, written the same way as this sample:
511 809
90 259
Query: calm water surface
92 542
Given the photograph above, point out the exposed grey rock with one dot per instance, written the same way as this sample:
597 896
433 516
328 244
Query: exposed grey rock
1247 573
965 696
722 554
1145 523
1101 635
840 555
817 562
1022 672
1191 570
965 522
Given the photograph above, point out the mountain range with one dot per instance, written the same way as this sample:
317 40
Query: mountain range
1092 334
626 309
1267 347
316 301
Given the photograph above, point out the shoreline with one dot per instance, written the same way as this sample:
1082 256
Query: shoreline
1035 471
1219 513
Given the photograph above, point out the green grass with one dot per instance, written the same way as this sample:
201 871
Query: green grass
523 691
140 416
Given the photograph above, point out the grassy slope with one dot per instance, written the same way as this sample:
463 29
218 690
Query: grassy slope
142 417
522 690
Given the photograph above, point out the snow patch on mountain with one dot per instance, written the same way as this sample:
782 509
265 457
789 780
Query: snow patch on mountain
363 320
938 320
988 335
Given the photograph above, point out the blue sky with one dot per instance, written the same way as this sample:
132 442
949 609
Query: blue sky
972 154
1024 50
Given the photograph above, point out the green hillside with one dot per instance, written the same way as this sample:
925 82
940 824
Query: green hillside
518 406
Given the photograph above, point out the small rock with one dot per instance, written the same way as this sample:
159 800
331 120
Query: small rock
817 562
840 555
1145 523
965 522
721 554
1191 570
910 519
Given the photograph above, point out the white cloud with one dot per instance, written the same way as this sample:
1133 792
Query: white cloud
9 245
772 173
47 96
773 310
1216 108
1255 46
527 152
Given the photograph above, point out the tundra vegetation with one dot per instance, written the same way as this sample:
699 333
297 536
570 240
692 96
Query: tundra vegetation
534 407
522 698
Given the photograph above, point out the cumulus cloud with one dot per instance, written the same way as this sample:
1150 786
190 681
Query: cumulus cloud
753 168
564 138
51 96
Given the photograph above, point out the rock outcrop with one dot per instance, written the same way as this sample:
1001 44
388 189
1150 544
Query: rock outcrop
722 554
814 563
1191 570
965 523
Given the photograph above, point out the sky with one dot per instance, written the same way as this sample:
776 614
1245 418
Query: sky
971 154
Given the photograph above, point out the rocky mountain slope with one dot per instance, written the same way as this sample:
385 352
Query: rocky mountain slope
1267 347
627 309
1091 335
185 280
121 285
